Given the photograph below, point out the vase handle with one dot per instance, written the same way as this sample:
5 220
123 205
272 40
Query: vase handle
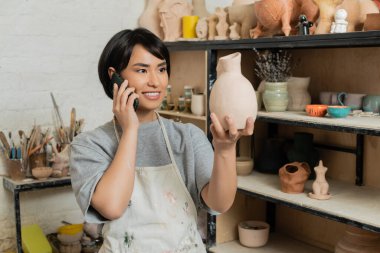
341 97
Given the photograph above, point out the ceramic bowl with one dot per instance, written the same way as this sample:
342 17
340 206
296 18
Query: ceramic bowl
316 110
253 233
244 165
42 172
337 111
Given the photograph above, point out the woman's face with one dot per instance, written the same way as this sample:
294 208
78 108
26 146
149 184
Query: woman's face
147 74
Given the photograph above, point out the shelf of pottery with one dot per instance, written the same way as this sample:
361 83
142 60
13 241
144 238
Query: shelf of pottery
186 97
355 135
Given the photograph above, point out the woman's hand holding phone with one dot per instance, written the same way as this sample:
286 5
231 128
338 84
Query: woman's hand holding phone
123 99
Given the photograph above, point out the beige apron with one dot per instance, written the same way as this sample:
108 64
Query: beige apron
161 216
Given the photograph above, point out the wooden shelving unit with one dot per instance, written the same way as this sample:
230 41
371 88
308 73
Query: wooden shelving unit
182 115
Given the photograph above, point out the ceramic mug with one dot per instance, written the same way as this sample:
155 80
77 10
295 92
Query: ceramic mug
371 103
353 100
329 98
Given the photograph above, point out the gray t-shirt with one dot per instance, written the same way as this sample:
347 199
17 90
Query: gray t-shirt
93 151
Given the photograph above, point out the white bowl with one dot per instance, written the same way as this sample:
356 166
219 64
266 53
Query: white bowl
253 233
244 165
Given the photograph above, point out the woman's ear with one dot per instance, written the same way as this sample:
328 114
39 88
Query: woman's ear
111 70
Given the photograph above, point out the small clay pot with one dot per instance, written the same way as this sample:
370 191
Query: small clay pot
253 233
293 177
372 22
356 240
244 165
42 172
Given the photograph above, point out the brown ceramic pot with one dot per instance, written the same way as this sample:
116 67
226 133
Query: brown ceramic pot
357 240
372 22
293 177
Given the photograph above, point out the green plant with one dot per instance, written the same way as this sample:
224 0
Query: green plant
273 66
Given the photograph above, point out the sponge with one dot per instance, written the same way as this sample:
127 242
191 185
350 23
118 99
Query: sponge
34 240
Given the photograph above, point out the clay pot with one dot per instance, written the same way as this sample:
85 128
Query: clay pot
275 96
232 94
198 104
42 173
298 95
357 240
253 233
293 177
244 165
372 22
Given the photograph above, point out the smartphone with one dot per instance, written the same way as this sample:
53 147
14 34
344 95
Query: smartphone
116 78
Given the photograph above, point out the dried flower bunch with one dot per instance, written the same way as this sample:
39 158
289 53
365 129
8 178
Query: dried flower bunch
273 66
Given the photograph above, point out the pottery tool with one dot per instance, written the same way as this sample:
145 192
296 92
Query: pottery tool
72 124
56 108
5 143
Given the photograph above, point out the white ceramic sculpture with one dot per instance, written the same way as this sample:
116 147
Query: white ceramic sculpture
232 94
211 21
320 185
171 13
340 23
298 93
149 19
234 31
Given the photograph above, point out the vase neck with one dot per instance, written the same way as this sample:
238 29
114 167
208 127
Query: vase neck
229 63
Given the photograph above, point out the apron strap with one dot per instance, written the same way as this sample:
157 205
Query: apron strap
168 146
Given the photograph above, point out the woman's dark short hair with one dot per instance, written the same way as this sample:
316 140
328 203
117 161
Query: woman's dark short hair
118 51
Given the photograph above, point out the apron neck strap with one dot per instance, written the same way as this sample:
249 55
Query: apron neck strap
168 146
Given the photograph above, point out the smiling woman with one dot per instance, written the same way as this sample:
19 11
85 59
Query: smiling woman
144 176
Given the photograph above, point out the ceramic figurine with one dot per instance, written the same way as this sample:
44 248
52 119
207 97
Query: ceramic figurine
357 11
212 20
275 16
222 25
293 177
320 185
244 16
340 23
171 13
201 29
149 19
60 160
234 31
232 94
199 8
304 25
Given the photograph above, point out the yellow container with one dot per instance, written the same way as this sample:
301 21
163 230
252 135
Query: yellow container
70 229
189 24
34 240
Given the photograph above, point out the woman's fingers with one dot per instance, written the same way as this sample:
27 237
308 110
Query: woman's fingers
249 126
131 99
232 130
217 126
125 97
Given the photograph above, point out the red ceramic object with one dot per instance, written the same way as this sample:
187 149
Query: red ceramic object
316 110
293 177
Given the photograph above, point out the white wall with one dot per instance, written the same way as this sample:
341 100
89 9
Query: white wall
54 46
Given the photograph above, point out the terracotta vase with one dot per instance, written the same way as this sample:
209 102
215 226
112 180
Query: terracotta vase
293 177
298 95
171 13
232 94
150 19
199 8
275 96
356 240
320 185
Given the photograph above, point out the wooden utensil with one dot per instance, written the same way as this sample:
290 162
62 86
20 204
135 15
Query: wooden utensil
5 143
72 124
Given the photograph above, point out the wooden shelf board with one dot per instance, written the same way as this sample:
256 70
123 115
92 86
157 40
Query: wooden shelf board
353 124
276 244
355 205
182 115
350 39
32 184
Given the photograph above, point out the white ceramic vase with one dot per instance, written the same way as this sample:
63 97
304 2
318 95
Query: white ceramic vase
232 94
298 94
198 104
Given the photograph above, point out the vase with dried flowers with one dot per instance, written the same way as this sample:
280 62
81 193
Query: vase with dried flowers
275 68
